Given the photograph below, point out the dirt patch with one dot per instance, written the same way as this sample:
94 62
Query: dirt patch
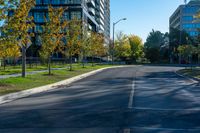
49 74
3 86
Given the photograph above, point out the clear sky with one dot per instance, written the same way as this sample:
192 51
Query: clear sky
143 15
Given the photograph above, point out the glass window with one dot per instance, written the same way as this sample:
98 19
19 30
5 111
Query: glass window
188 18
55 2
190 9
46 2
38 28
66 15
39 16
76 14
38 1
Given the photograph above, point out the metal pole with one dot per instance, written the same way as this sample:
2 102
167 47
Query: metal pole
113 44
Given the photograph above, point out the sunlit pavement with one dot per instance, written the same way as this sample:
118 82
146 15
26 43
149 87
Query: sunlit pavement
134 99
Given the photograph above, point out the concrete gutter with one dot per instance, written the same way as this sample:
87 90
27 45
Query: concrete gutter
13 96
194 79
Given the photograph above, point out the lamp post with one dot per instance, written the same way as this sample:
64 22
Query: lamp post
113 44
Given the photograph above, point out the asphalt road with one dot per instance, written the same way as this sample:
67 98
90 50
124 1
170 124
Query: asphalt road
134 99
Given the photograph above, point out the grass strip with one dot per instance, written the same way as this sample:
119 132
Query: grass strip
16 84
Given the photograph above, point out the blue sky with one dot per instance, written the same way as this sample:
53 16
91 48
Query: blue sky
143 15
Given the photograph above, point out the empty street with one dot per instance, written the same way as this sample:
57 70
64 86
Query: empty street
132 99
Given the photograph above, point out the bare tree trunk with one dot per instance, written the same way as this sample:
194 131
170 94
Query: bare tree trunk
92 61
179 59
4 64
83 61
23 61
70 67
15 61
30 62
49 65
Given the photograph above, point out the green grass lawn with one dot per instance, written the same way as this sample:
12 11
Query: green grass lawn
17 69
17 84
190 72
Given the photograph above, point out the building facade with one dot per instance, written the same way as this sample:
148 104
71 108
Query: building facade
94 13
183 18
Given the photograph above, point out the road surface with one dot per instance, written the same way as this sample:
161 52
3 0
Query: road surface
134 99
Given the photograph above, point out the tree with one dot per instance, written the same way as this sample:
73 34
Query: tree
96 46
154 39
15 53
198 53
51 35
164 49
122 48
6 40
20 23
136 47
152 46
85 45
72 43
6 6
8 49
177 38
186 52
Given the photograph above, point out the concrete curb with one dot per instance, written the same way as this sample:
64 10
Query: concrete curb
197 80
13 96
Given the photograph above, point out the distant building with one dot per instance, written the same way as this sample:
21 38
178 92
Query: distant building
183 18
96 14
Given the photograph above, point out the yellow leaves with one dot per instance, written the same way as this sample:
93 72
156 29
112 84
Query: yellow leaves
73 37
186 50
52 35
96 44
20 23
16 30
9 50
135 40
128 47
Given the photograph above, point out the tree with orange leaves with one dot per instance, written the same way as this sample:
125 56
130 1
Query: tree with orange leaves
51 34
8 50
96 46
19 25
72 44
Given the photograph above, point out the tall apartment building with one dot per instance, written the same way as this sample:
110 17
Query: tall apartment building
183 18
96 13
103 17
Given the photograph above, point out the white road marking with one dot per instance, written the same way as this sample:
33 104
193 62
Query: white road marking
166 129
130 106
168 109
130 103
127 130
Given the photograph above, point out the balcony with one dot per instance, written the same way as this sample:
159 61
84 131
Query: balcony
91 3
91 11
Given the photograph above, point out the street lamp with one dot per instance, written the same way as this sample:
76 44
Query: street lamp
113 45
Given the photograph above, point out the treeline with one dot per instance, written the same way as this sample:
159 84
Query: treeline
174 47
156 47
128 48
57 35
